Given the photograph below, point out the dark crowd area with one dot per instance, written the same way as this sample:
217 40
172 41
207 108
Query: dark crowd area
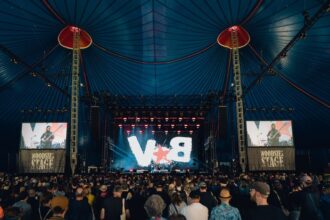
134 196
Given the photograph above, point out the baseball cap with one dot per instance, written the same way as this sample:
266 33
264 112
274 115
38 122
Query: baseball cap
202 185
261 187
60 201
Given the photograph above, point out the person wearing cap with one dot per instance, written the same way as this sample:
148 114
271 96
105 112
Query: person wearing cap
195 211
259 192
59 206
207 198
225 211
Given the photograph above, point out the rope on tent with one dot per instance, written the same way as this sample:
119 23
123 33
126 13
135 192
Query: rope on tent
133 60
294 85
30 68
53 12
252 12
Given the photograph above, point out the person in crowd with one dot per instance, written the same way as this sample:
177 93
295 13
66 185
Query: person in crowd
44 209
59 206
177 217
177 204
325 201
207 198
259 193
195 211
136 204
79 209
99 200
310 200
33 200
13 213
161 192
115 206
24 206
294 201
225 211
154 207
279 197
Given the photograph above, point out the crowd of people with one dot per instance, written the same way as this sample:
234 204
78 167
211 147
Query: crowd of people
165 196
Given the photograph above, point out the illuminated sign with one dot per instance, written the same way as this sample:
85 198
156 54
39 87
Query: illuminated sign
179 152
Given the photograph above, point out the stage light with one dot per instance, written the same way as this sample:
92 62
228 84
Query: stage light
120 125
166 132
138 119
153 132
125 119
185 125
141 132
193 119
166 119
146 126
133 125
180 119
159 126
172 125
179 132
128 132
198 125
191 132
152 119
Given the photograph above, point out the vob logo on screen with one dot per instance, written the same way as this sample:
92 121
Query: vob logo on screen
180 151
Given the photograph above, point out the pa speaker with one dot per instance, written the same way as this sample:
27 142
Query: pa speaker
95 121
222 121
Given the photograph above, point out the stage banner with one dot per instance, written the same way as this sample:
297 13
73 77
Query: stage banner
42 161
271 158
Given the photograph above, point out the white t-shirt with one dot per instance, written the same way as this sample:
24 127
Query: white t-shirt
195 211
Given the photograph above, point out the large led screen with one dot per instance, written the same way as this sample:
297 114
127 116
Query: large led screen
43 135
269 133
155 150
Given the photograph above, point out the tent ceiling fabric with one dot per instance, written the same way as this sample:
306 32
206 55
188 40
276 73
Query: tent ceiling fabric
167 47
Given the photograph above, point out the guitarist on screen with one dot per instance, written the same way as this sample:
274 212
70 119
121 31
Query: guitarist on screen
273 136
46 138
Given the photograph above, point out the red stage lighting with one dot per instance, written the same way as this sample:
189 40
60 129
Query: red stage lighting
185 125
146 126
125 119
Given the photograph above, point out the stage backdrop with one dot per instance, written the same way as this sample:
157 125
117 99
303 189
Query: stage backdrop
42 161
271 158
